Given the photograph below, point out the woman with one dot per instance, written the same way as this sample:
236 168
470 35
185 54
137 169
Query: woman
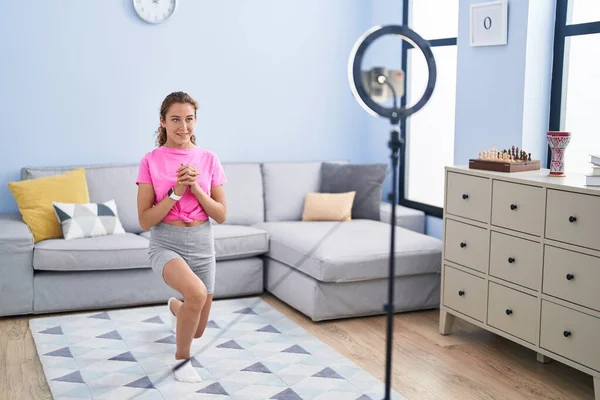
179 187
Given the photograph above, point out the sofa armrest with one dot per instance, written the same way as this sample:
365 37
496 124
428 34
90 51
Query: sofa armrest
408 218
16 266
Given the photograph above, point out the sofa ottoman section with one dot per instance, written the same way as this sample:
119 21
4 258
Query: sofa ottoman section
349 251
327 300
16 274
331 270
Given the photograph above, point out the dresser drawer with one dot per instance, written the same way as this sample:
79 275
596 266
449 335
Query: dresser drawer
573 218
516 260
468 196
518 207
571 334
572 276
513 312
464 293
466 245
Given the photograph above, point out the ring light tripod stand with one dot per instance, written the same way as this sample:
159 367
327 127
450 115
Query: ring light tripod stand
368 84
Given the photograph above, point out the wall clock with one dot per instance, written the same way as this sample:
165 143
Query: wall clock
154 11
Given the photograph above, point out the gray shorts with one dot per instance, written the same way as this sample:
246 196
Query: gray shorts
194 244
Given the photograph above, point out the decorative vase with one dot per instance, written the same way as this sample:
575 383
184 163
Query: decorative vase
558 142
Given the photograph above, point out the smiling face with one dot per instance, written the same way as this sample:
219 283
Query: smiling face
179 122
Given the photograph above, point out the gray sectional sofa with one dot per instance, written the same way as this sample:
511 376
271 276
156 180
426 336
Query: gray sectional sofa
326 270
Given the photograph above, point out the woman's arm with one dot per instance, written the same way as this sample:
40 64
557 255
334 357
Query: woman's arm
215 204
150 214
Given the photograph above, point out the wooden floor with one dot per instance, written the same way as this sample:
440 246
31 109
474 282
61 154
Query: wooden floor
468 364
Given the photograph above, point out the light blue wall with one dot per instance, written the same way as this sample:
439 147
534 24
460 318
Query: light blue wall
489 109
503 92
82 81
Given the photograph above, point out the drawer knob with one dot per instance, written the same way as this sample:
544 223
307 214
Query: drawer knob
465 196
508 311
513 206
461 292
570 277
567 333
463 244
572 219
511 260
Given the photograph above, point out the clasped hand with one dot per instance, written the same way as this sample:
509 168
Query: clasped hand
187 177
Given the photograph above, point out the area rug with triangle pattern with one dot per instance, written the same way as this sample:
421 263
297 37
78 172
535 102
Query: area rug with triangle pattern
249 351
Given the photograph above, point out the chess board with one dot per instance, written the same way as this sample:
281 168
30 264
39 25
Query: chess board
504 166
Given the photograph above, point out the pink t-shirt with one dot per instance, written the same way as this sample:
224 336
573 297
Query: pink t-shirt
159 168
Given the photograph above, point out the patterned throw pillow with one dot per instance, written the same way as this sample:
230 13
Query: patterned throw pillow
88 219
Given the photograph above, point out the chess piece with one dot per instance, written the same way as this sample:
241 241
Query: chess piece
529 159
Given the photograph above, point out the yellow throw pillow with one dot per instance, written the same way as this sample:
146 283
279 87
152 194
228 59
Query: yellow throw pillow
328 206
34 198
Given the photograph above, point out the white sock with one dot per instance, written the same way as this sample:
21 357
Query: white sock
186 373
172 317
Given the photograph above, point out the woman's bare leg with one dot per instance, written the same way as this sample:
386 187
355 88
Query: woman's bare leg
179 276
176 306
204 317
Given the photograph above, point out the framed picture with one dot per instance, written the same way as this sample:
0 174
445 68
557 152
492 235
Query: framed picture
489 23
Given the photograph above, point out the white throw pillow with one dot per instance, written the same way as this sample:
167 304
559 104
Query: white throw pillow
88 219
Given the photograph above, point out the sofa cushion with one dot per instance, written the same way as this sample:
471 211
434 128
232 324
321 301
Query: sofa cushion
350 251
286 185
244 191
105 182
406 217
236 241
81 220
89 254
365 179
328 206
34 198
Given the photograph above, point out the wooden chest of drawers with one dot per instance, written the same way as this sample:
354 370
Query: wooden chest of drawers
522 259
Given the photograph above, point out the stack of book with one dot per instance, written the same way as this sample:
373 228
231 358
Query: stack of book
593 178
